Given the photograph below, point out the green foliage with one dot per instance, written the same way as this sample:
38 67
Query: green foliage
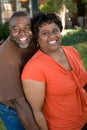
1 31
82 49
4 32
81 8
78 39
84 1
74 36
52 5
71 6
2 126
56 6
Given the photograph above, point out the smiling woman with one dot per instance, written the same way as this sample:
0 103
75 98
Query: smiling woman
54 78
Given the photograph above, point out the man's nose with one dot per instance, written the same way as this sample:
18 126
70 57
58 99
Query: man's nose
21 31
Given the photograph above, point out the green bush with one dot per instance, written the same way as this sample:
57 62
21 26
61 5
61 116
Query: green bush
74 36
4 32
82 49
2 126
78 39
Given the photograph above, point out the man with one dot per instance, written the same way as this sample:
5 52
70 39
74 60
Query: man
14 53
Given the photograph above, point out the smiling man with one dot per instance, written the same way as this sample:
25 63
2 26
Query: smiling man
14 53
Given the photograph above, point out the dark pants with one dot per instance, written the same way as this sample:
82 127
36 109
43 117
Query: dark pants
84 127
10 118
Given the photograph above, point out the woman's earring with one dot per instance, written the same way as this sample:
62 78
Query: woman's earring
37 45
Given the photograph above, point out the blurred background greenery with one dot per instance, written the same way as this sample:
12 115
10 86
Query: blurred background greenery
2 126
78 39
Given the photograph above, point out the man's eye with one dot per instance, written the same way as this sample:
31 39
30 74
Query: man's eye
27 29
15 29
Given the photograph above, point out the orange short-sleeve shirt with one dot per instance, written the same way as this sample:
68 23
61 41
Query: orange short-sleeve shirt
65 106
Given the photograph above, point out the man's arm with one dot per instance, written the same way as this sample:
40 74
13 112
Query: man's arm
25 114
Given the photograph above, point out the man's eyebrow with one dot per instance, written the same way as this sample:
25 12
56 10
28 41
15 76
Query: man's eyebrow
14 26
28 24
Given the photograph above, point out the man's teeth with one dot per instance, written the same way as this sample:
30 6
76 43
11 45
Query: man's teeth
52 42
22 39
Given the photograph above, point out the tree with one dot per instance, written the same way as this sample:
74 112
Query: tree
62 7
84 1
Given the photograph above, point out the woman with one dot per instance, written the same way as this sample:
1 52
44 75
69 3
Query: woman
54 79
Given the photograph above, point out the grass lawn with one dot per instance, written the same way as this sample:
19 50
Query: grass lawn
78 39
82 49
2 127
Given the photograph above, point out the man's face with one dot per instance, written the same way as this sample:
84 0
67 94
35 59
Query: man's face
20 30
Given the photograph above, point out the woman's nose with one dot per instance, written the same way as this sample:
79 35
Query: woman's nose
51 34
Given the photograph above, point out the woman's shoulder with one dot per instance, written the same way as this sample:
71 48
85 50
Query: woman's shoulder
72 51
35 60
70 48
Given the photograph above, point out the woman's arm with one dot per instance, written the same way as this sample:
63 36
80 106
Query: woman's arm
35 94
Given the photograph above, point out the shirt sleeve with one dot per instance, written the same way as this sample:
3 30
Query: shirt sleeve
33 70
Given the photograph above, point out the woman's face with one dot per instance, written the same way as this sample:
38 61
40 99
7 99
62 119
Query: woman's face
49 37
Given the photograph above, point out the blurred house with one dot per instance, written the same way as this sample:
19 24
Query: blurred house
7 7
80 18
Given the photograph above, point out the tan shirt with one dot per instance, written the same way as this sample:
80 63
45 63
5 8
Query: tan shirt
12 60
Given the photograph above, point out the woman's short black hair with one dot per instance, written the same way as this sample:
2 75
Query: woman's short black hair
39 19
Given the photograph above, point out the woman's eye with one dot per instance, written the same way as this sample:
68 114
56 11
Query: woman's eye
45 33
56 31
